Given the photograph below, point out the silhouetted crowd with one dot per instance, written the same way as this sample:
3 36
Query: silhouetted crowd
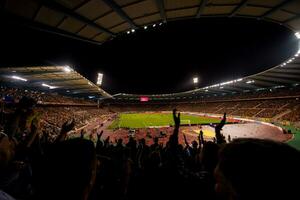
32 166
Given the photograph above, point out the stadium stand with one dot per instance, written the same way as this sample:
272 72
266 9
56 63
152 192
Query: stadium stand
40 160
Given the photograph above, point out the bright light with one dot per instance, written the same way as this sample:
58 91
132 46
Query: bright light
90 83
160 23
19 78
90 97
99 79
145 27
154 25
195 80
49 86
249 82
132 30
67 69
128 32
297 34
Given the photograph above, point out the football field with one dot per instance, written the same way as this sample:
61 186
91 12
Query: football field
144 120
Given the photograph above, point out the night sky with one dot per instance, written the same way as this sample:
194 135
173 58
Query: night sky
163 59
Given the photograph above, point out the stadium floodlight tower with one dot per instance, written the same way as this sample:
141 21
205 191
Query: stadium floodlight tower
99 79
195 81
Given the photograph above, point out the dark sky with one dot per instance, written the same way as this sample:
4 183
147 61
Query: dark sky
158 60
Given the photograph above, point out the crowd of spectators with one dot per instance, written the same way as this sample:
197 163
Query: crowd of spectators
13 95
268 108
34 167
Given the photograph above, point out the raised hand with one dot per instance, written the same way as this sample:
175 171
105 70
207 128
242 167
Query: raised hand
82 132
66 127
99 135
185 140
176 118
219 137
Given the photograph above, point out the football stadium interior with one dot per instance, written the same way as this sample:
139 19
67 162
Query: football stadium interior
66 136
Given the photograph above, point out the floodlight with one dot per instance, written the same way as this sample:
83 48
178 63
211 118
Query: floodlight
132 30
195 80
145 27
99 79
49 86
154 25
19 78
128 32
67 69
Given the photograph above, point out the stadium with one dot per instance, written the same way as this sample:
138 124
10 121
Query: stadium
145 132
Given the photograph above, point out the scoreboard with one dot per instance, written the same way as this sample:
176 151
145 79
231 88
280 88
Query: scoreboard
144 98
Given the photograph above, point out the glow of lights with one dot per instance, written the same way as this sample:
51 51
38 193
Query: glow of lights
221 87
195 80
128 32
154 25
132 30
49 86
99 79
160 23
249 82
90 97
145 27
297 34
90 83
67 69
19 78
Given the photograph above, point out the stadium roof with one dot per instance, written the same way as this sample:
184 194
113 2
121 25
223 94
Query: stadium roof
286 74
61 79
97 21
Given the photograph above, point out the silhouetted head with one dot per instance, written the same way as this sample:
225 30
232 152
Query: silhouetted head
143 141
26 103
68 171
258 169
155 140
195 144
209 155
120 142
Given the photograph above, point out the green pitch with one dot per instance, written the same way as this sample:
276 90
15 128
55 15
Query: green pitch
143 120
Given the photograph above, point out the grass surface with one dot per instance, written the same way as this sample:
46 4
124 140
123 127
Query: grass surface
143 120
295 142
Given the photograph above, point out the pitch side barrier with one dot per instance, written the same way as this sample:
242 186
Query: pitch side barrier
235 118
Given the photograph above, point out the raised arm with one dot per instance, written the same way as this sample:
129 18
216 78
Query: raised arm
66 127
185 141
219 137
99 135
174 137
